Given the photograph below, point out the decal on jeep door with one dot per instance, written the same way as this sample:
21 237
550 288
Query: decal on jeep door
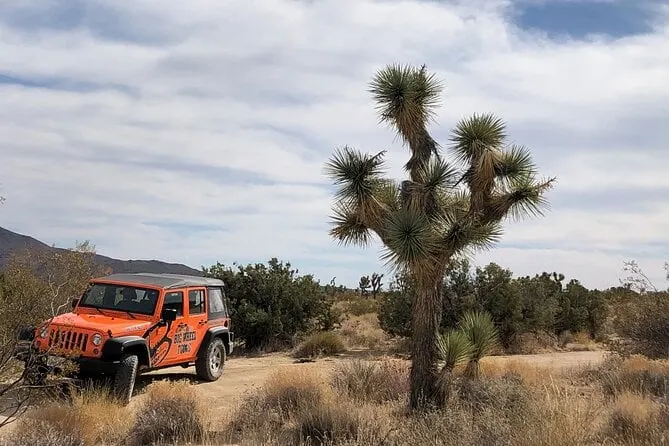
183 338
162 347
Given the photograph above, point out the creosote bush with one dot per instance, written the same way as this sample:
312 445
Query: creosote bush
324 343
271 303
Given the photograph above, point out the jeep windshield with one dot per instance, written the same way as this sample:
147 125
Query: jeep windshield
124 298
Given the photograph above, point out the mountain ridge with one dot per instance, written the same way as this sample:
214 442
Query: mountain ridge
11 242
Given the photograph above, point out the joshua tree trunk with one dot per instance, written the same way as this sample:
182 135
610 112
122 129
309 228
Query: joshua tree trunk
425 321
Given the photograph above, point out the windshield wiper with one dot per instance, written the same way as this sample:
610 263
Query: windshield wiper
129 314
100 311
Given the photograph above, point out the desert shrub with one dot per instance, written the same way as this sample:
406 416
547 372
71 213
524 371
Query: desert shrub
324 343
506 395
171 413
635 374
90 418
635 419
271 303
290 392
565 337
394 312
372 381
644 322
32 432
266 415
533 343
334 423
363 331
360 306
284 394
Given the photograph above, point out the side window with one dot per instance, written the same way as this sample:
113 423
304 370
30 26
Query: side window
196 301
216 303
175 300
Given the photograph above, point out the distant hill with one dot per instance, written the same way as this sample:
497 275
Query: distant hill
12 242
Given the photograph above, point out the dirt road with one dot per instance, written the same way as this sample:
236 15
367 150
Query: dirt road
243 374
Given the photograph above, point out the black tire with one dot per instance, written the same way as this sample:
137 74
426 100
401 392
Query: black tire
124 380
209 366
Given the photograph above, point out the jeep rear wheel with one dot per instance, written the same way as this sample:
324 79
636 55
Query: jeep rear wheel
124 380
209 366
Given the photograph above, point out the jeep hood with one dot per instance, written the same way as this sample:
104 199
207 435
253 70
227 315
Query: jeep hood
103 323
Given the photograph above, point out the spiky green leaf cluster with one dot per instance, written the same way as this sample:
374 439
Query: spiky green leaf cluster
480 330
443 208
454 348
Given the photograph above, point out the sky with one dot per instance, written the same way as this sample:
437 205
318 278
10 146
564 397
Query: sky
196 132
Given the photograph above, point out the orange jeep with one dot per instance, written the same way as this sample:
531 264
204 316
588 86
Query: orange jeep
125 324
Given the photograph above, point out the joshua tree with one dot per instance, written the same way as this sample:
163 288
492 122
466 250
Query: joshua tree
376 284
364 285
441 210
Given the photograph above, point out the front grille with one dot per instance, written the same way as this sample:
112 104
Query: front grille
67 340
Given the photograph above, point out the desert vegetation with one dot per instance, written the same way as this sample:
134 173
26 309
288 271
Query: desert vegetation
414 360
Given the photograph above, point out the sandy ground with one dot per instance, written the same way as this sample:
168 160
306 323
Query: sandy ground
243 374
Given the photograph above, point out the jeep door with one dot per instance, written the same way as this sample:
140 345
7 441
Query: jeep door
164 338
197 319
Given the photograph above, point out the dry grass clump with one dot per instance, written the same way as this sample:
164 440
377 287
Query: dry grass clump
171 413
635 374
360 306
372 381
502 411
90 418
492 367
336 423
298 408
363 331
262 414
560 416
33 432
324 343
289 392
635 419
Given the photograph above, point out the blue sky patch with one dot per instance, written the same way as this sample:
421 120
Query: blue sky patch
580 19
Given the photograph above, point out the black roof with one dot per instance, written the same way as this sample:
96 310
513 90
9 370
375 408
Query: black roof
162 280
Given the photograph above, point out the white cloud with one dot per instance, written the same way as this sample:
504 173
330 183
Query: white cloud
221 114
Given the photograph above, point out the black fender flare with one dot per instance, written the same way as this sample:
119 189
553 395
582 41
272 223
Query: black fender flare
217 332
114 348
25 333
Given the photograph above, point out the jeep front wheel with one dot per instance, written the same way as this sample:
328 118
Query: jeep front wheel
209 366
124 380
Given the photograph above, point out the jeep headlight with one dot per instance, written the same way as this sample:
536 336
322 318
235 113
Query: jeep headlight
97 339
44 332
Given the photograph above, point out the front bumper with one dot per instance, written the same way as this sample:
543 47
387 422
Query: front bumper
25 351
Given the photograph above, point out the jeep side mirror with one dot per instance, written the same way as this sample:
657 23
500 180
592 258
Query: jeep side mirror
169 314
75 302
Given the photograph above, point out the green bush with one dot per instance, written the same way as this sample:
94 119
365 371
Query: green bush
271 303
394 312
644 323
